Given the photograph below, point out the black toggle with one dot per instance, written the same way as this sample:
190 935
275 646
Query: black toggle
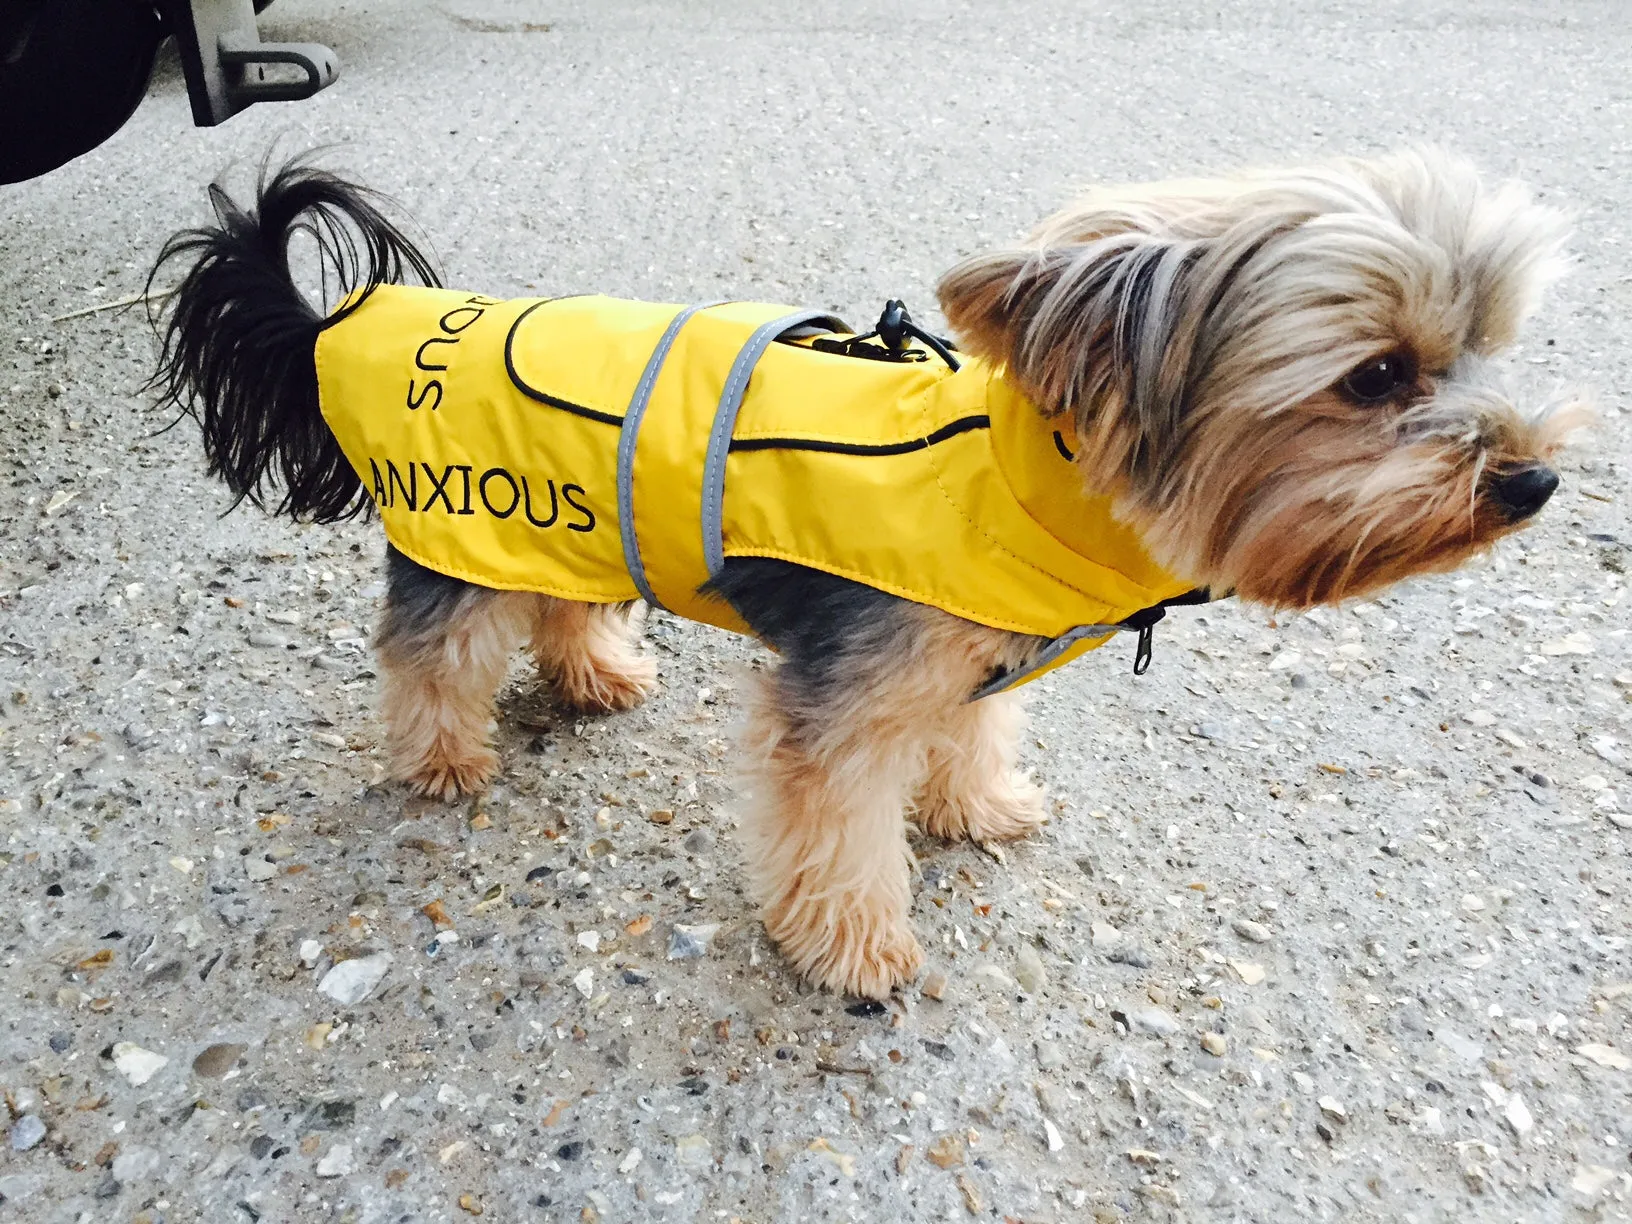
895 328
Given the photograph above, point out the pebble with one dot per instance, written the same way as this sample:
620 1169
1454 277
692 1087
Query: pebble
1333 1109
693 1152
337 1162
1593 1179
690 942
1052 1136
630 1161
136 1064
310 952
258 869
1214 1044
1029 970
934 986
584 982
946 1152
1458 1044
215 1061
352 981
61 1041
698 841
136 1164
1257 932
1605 1056
268 639
1479 718
1248 972
26 1132
590 940
1518 1116
1153 1020
1104 936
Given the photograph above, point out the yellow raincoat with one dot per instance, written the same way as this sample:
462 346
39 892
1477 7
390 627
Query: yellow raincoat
606 450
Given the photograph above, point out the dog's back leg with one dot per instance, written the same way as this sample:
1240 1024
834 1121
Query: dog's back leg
443 645
589 653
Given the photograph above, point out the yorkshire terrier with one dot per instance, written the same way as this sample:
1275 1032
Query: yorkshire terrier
1277 384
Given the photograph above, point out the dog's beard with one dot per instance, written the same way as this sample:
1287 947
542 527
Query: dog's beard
1200 335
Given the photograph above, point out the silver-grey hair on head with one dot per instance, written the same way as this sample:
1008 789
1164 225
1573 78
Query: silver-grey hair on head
1185 326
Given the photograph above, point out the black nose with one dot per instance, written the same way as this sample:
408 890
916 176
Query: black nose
1524 491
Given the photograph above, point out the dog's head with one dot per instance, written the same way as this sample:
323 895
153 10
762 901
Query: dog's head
1284 378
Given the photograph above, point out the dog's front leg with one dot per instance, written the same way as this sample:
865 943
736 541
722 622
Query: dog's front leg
841 743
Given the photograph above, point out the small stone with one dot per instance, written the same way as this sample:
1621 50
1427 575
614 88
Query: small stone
690 942
630 1161
1571 644
843 1161
693 1152
470 1204
26 1132
1145 1157
946 1152
1509 738
1153 1020
1284 660
1257 932
54 390
60 1042
1052 1136
437 913
136 1064
258 869
215 1061
584 982
661 816
1518 1116
1104 936
1214 1044
934 986
590 940
698 841
1029 970
639 926
1591 1179
1248 972
1050 1056
1333 1109
1605 1056
267 639
971 1196
337 1162
352 981
1479 718
1473 902
1459 1045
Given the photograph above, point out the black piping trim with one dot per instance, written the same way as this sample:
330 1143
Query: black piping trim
950 430
593 414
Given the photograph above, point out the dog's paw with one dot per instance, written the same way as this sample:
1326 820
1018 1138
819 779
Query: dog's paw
856 960
447 778
1013 807
608 690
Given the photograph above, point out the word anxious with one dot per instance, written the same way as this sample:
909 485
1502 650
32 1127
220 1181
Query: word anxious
458 489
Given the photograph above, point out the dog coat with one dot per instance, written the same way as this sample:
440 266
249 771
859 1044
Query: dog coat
604 450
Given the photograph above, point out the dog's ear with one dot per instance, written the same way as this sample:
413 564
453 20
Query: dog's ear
1106 329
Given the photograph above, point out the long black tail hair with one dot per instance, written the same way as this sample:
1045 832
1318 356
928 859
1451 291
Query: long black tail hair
238 346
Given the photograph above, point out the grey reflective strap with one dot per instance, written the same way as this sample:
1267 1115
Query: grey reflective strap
629 434
725 423
1007 680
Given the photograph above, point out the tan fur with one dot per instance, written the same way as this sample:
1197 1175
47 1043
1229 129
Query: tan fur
588 653
1199 335
824 834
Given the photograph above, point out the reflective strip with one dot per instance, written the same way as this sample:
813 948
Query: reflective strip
628 434
725 423
1004 681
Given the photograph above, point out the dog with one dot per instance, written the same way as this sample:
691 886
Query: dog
1276 383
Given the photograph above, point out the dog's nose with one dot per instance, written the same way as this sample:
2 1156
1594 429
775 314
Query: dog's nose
1522 492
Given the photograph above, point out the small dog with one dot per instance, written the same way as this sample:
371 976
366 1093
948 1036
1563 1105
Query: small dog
1276 384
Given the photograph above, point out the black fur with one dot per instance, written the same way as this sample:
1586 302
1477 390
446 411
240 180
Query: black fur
420 603
238 348
819 623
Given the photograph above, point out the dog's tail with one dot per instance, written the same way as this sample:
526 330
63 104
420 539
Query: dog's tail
238 348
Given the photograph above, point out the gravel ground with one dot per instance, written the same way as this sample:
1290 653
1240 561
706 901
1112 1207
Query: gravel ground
1332 923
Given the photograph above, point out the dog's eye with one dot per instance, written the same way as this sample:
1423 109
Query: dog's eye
1377 380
